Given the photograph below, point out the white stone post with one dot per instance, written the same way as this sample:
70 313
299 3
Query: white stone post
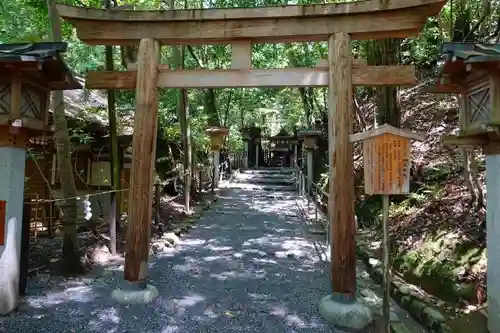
493 235
12 162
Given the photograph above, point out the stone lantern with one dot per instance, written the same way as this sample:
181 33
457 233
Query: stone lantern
256 134
310 138
471 71
28 73
217 135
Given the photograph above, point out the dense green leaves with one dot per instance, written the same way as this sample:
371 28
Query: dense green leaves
26 21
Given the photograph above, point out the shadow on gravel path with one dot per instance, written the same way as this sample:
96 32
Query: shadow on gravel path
245 267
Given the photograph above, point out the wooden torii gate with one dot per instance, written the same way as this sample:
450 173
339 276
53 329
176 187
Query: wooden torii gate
337 23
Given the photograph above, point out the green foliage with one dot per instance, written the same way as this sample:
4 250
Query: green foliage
235 108
437 264
424 50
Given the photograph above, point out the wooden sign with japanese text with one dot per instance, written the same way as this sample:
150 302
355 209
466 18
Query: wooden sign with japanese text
386 158
386 164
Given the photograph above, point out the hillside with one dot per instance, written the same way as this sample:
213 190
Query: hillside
438 243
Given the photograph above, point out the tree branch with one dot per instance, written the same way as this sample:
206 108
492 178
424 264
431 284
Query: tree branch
476 26
191 52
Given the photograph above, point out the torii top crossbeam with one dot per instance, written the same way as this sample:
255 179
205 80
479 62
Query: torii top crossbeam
279 24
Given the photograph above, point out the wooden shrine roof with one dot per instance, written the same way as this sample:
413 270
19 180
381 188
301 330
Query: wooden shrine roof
41 63
460 63
471 52
282 135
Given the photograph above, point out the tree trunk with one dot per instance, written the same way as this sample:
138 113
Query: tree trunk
211 108
114 214
388 108
71 251
463 23
183 113
472 180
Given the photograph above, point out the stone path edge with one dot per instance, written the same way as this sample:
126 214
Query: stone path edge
426 314
209 198
189 220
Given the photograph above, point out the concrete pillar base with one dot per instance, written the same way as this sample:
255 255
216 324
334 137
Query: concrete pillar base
128 295
350 315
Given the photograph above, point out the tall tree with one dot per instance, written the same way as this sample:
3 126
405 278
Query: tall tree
71 251
388 107
114 214
183 114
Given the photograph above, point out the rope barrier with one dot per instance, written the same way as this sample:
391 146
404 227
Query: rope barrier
84 196
92 194
320 218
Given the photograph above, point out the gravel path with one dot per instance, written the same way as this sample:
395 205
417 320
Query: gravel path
245 267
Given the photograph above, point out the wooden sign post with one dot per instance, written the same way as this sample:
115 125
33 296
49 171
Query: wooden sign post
310 138
386 156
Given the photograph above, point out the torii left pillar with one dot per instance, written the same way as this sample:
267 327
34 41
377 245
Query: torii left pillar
341 307
12 162
140 210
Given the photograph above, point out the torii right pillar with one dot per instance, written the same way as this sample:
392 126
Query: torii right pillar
341 307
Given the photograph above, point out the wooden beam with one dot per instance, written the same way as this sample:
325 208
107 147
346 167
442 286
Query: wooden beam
133 67
471 141
251 78
143 158
325 63
28 66
361 19
341 196
241 55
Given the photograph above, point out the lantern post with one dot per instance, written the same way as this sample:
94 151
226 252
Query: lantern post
310 138
386 156
257 152
245 134
217 135
29 73
295 153
470 70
